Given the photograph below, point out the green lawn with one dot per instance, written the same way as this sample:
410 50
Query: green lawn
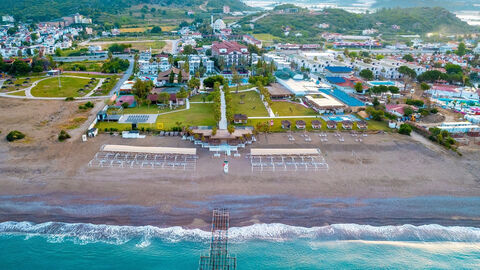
277 123
20 93
89 65
284 108
89 75
378 125
107 86
199 98
197 115
145 109
265 37
252 104
70 87
19 83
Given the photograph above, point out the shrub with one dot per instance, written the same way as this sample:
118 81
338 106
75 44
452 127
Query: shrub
63 136
434 110
15 135
405 129
69 98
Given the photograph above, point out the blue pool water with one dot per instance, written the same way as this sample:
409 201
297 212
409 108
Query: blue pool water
263 246
387 83
340 118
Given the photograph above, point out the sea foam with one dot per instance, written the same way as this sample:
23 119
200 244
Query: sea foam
83 233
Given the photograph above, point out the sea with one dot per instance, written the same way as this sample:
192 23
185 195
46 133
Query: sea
56 245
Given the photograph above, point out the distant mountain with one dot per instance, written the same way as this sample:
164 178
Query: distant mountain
451 5
43 10
395 20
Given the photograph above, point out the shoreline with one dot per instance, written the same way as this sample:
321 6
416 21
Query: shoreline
246 211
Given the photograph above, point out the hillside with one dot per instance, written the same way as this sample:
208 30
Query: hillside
42 10
410 21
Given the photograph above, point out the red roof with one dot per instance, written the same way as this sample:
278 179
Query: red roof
445 87
229 47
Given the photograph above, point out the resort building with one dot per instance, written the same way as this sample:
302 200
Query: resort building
231 52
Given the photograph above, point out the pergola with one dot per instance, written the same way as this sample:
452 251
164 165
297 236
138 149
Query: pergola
143 157
284 159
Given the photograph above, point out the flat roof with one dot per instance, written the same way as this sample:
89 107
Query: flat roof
149 150
277 89
284 151
325 101
302 87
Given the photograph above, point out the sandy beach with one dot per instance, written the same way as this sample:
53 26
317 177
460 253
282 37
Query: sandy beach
45 180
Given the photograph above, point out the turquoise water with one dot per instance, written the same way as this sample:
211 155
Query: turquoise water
262 246
387 83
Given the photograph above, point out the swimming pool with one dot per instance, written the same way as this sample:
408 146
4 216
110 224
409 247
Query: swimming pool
340 118
386 83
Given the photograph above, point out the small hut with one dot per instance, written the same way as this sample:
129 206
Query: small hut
362 125
331 124
347 124
240 119
316 124
286 124
300 124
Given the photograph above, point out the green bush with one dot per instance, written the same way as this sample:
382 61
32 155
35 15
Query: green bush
15 135
69 98
405 129
63 136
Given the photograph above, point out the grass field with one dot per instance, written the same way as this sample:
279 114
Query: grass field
277 123
197 115
145 109
251 106
134 29
89 75
377 125
19 83
265 37
154 45
168 28
283 108
70 87
94 66
20 93
199 98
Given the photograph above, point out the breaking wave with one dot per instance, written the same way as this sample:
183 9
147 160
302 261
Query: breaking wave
83 233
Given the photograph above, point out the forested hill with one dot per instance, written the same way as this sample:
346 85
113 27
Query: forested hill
410 20
44 10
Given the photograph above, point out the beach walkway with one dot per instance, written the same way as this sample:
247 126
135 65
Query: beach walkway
223 123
